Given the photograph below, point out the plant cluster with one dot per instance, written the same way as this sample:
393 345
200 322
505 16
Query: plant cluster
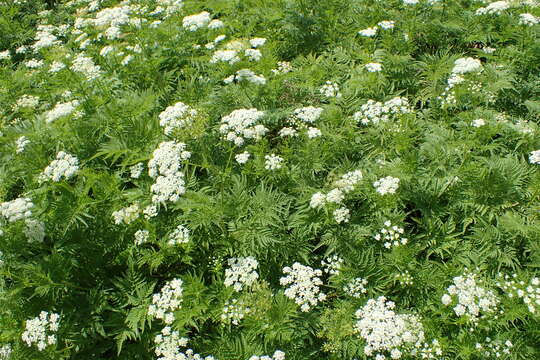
269 180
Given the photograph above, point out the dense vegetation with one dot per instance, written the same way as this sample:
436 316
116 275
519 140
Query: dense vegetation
295 179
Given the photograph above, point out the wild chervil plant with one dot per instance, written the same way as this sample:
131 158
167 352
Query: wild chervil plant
269 180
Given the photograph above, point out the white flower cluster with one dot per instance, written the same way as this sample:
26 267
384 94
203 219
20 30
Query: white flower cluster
344 185
5 55
60 110
300 119
273 162
34 231
168 344
136 170
342 215
165 167
180 235
495 8
356 287
242 272
529 293
528 19
5 352
375 112
44 37
168 7
283 68
242 158
391 235
211 45
373 67
369 32
196 21
21 143
330 89
26 101
177 116
242 124
34 64
304 284
494 349
64 166
534 157
466 65
470 298
253 54
332 265
56 66
404 278
246 75
387 24
427 350
235 49
257 42
278 355
126 215
372 31
141 236
86 66
168 300
386 185
41 330
234 311
109 20
448 97
228 56
17 209
385 331
478 122
308 114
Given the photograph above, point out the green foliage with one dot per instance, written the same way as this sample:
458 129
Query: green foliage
468 199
